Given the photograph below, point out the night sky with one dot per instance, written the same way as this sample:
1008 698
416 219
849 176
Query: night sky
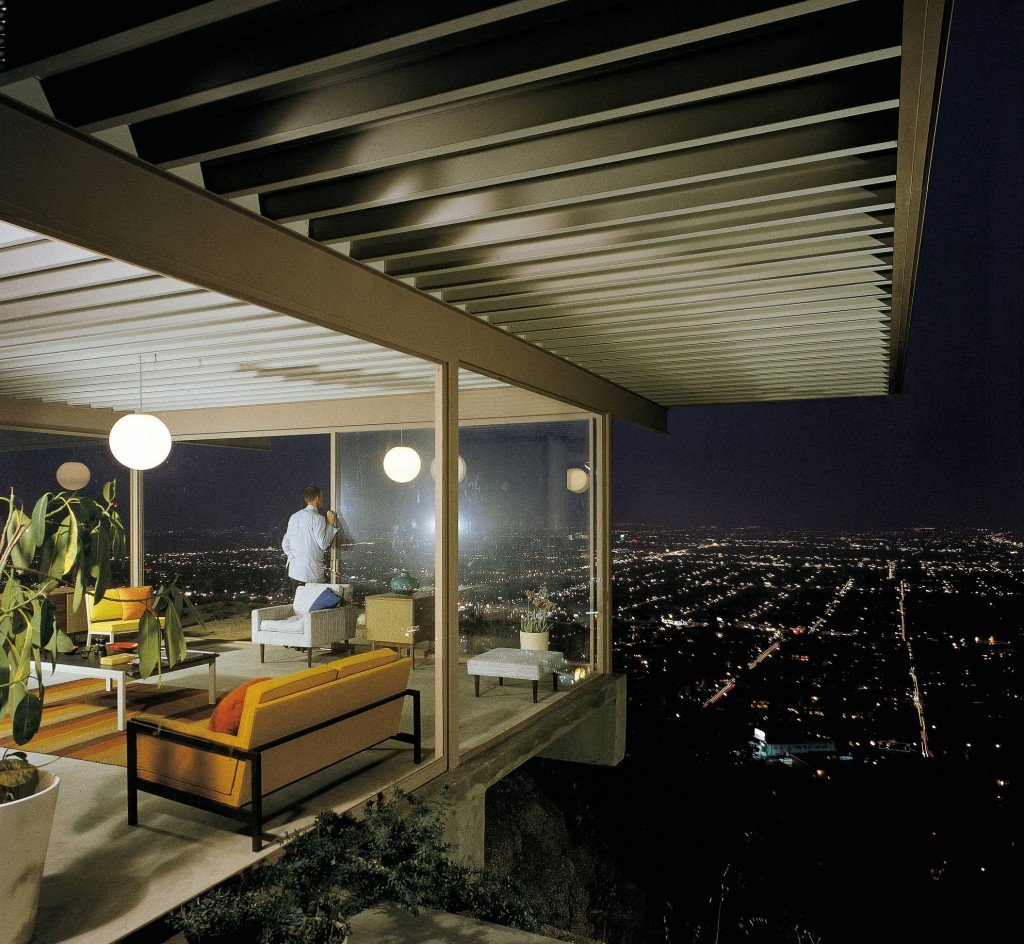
950 450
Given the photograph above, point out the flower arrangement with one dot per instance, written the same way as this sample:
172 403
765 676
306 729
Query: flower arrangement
534 619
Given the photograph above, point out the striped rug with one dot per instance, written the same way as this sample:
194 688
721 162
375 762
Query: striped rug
80 718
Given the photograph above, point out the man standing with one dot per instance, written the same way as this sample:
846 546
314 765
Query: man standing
307 539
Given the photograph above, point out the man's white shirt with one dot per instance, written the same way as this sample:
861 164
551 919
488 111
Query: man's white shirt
305 542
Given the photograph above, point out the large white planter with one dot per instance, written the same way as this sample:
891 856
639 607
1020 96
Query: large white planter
535 642
24 835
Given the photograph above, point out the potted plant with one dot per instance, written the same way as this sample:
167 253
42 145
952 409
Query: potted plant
69 540
533 622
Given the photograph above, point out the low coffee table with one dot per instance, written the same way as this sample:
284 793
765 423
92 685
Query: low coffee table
88 666
516 664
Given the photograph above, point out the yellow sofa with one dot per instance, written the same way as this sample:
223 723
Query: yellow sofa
106 618
291 727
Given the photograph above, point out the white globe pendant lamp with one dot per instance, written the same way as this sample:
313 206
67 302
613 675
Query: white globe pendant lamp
462 468
577 480
140 440
402 464
73 476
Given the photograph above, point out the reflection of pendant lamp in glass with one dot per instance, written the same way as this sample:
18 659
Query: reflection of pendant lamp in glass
462 468
402 464
140 440
577 480
73 476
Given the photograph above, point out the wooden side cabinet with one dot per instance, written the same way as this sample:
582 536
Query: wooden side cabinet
70 621
400 620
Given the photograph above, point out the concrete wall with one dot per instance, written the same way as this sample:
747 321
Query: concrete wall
600 738
587 726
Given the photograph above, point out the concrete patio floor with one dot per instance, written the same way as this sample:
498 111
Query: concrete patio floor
104 879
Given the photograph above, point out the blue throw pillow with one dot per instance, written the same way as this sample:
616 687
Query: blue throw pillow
326 601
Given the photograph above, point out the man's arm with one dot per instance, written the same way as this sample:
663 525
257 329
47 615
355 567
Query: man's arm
324 532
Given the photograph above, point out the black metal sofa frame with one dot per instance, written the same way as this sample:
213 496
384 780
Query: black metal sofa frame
253 817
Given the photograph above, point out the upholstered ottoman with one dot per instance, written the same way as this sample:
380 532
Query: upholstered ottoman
516 664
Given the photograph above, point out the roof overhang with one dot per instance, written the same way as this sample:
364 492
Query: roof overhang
695 202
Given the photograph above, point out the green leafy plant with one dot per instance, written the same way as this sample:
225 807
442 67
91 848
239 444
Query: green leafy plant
235 906
69 540
343 865
18 778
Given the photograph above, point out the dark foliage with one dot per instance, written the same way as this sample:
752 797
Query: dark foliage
342 866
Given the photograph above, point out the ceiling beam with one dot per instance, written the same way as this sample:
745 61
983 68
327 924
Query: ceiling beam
584 37
796 146
830 99
753 279
842 40
702 231
257 49
134 33
734 332
792 241
649 310
604 361
871 244
492 405
692 200
37 416
819 393
925 40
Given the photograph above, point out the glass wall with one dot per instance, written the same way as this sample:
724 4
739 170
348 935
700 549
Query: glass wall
526 550
387 524
216 514
385 495
524 525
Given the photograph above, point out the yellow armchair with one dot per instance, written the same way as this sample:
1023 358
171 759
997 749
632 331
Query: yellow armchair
118 613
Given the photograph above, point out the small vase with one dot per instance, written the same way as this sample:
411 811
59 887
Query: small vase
404 583
534 642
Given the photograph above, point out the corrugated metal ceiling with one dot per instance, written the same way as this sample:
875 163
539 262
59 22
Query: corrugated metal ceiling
78 328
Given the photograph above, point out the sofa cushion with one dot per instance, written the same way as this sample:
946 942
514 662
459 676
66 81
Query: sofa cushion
289 684
363 662
133 601
228 713
292 624
308 592
108 608
296 712
327 600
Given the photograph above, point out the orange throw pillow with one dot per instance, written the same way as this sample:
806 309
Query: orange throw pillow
133 601
227 716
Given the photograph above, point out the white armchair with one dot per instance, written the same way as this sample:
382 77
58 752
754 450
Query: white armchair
292 624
